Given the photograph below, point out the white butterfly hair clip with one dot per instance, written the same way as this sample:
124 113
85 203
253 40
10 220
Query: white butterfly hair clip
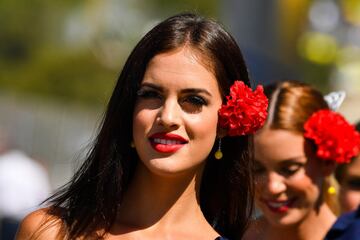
335 99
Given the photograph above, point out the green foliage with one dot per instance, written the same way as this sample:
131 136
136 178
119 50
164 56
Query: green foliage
76 77
35 60
27 64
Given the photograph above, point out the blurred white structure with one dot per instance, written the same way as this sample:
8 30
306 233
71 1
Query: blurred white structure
56 134
24 184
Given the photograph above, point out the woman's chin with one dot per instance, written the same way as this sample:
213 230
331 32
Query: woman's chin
169 169
291 218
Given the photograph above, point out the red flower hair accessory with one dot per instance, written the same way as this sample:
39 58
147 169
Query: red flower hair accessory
336 139
245 110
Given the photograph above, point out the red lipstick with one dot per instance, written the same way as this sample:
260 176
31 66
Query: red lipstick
279 206
167 142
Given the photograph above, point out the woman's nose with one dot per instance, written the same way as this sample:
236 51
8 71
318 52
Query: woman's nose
170 114
275 183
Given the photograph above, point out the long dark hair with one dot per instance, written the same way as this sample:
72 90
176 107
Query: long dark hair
91 199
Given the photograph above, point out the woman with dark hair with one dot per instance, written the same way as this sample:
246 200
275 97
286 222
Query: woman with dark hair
295 154
152 172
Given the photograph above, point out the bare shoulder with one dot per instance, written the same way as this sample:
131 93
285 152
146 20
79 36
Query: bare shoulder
256 230
40 225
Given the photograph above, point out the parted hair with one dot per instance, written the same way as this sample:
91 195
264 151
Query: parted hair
291 105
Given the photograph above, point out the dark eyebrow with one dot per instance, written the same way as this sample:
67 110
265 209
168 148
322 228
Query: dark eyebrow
196 90
150 85
293 159
187 90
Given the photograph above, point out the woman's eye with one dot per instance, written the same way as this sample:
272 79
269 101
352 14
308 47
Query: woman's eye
193 104
148 94
354 183
290 170
196 100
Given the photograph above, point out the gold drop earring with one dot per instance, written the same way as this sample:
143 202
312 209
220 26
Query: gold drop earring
331 190
218 154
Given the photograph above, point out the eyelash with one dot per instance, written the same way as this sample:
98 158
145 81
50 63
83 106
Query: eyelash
147 94
290 170
192 99
354 184
287 171
195 100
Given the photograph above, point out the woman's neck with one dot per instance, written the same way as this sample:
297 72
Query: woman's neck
313 227
156 202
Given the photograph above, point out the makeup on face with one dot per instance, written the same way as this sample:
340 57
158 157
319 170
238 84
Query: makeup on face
176 113
167 142
275 196
191 100
278 206
287 181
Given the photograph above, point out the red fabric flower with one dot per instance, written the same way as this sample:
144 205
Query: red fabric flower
336 139
245 110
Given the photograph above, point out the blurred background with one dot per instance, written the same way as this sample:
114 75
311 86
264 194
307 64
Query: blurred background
59 60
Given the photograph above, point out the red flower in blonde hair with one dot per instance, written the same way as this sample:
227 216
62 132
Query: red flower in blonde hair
245 110
335 138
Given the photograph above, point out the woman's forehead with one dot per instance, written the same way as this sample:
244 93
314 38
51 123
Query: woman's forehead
278 145
180 67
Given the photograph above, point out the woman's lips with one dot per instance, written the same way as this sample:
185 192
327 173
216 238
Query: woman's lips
279 206
167 142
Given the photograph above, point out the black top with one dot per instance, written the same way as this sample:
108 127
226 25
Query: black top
346 227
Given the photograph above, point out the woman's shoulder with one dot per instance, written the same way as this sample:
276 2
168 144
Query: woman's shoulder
255 229
347 226
40 224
